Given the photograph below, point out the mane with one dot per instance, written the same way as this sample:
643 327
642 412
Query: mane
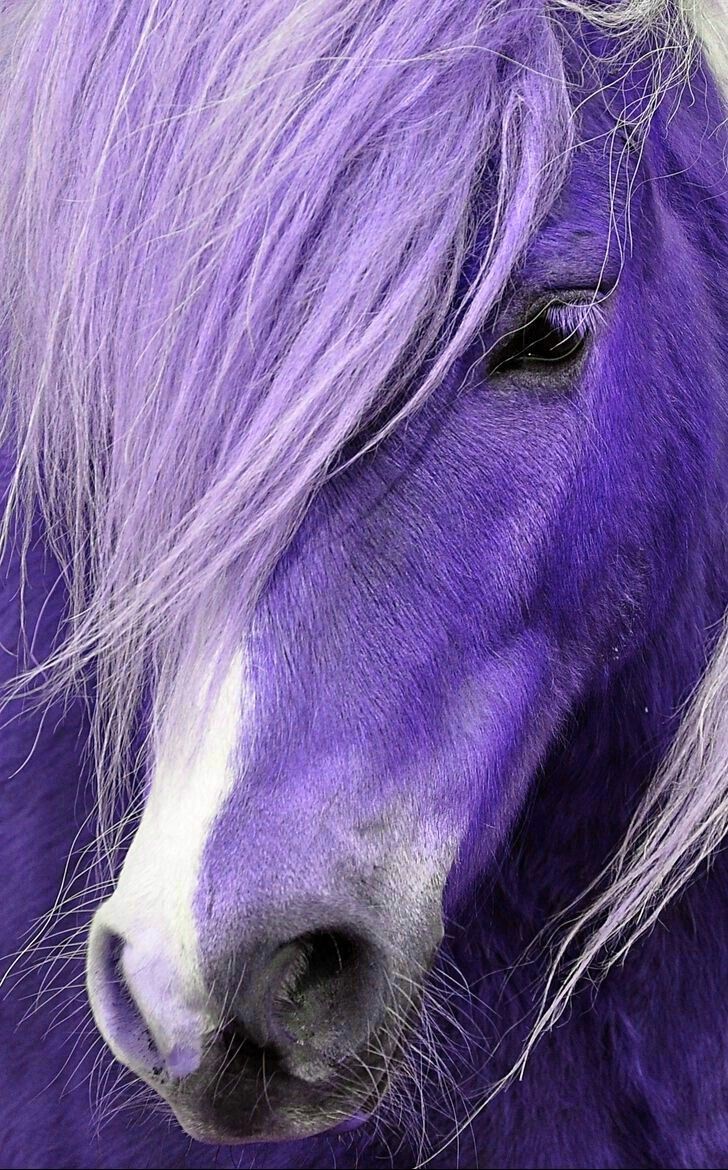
230 232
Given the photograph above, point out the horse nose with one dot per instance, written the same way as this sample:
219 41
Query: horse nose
308 1001
314 999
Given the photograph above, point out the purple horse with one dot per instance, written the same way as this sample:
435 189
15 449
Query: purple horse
365 722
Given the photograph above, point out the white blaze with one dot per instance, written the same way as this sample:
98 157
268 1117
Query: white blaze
153 904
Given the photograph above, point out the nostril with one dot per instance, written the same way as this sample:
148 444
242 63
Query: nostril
316 968
323 998
115 1009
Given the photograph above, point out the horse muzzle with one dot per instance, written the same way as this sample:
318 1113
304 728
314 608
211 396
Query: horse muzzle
296 1031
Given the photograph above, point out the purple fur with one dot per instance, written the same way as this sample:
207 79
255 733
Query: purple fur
495 616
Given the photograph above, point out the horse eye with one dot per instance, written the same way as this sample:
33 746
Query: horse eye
555 336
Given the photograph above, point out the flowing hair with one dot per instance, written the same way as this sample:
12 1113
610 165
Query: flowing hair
231 230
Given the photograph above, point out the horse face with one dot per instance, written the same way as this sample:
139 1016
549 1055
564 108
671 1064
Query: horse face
449 598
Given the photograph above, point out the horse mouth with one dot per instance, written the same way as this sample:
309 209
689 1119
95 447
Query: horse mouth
296 1121
253 1099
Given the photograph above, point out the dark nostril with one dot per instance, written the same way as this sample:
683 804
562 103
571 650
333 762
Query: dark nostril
114 1006
316 968
317 1001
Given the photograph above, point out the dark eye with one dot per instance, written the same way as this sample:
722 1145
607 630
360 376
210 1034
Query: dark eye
554 336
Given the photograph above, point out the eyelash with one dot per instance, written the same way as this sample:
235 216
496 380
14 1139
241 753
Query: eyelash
553 338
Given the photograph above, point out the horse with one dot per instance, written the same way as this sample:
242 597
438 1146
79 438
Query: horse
365 682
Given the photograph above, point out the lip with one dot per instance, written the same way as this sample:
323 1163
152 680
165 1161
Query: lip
300 1111
278 1129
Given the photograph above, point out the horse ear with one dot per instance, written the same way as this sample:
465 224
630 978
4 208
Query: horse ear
709 19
